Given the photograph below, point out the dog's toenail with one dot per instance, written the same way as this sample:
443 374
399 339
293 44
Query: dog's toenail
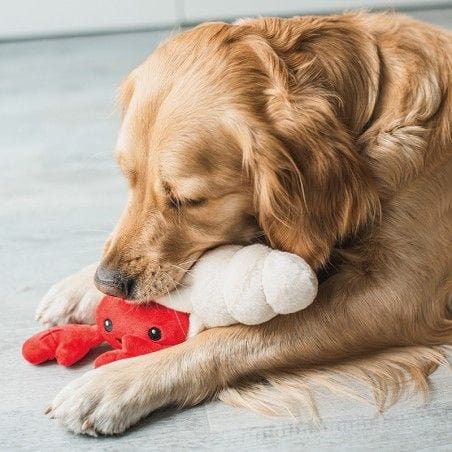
87 425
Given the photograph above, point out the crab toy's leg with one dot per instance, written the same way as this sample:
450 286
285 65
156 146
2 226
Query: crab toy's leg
66 343
131 346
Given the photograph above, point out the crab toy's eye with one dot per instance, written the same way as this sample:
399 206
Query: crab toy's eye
154 333
108 325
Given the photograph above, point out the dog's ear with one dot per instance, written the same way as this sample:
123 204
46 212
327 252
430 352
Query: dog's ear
311 187
335 53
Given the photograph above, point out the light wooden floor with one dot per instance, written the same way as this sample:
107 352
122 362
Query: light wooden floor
60 194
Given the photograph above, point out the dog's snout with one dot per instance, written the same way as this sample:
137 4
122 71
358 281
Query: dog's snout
112 282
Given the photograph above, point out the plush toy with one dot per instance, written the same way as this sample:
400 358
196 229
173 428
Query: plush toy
243 284
230 284
131 329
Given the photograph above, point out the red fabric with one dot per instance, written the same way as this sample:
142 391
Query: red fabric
123 325
67 344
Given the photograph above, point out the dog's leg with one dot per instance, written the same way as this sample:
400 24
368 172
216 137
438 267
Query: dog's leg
72 300
114 397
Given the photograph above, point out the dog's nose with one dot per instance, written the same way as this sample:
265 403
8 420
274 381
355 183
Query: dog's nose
113 283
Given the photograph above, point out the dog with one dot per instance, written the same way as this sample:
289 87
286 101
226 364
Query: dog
328 137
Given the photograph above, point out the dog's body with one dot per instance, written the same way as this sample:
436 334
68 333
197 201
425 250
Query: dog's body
329 136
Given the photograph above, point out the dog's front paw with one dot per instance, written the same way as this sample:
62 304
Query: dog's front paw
106 400
72 300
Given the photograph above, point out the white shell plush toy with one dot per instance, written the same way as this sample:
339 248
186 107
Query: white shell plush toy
243 284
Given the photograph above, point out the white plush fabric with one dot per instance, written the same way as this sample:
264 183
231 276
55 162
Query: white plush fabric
250 285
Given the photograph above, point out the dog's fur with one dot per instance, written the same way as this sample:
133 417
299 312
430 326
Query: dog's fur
329 137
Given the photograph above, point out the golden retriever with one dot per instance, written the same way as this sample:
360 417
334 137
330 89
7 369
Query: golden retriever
329 137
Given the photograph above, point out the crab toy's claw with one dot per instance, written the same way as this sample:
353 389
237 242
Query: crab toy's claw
131 346
67 344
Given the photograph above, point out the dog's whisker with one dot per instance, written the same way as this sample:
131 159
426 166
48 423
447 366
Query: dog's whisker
177 316
188 262
184 270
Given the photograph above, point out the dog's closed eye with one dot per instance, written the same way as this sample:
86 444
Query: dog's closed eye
175 203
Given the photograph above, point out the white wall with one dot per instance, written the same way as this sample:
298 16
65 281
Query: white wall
28 18
198 10
22 18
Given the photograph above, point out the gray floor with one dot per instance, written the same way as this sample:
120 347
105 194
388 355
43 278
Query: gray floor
60 194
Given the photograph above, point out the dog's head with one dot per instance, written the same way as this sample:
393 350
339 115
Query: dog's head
225 139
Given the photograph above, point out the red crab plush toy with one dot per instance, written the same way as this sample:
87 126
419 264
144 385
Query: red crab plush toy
131 329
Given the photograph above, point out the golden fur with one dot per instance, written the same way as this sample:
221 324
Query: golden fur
329 137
